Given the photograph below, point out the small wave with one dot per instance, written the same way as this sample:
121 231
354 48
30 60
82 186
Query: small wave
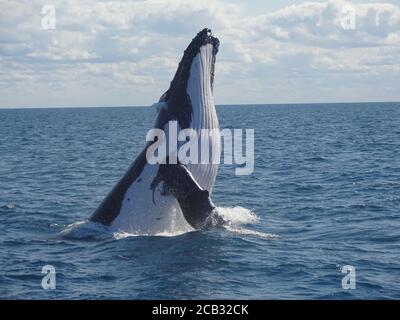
249 232
10 206
86 230
317 159
54 225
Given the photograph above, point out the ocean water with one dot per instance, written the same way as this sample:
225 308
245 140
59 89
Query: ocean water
325 193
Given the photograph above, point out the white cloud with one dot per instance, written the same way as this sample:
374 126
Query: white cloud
130 49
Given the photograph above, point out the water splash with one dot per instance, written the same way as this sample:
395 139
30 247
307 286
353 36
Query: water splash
239 216
236 217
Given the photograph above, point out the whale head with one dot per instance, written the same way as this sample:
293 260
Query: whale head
190 93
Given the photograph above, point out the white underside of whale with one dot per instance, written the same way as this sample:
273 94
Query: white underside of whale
139 214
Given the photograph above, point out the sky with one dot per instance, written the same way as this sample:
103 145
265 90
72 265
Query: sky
125 53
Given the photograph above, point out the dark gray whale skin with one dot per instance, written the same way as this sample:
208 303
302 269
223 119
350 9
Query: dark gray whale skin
195 202
196 206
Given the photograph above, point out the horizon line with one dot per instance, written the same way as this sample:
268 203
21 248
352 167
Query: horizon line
217 105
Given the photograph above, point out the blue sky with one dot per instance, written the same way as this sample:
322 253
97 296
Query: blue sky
122 53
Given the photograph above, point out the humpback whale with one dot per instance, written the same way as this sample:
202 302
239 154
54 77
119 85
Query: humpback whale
154 198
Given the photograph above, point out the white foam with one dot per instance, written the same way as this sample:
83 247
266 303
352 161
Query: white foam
249 232
86 230
123 235
82 230
237 215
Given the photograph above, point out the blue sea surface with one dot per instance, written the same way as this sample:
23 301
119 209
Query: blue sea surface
326 182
